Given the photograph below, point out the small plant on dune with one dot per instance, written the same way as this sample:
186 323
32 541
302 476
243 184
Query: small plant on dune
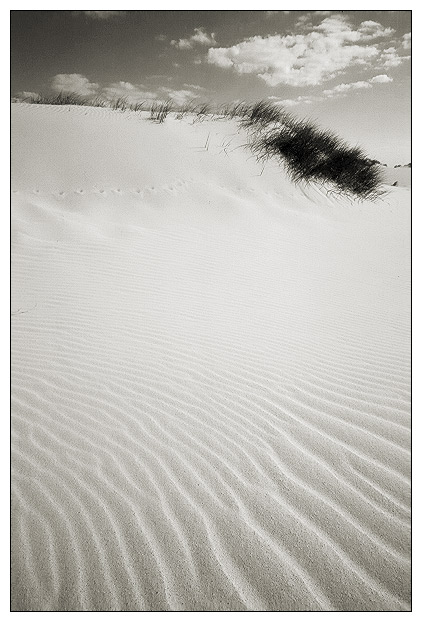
67 99
309 153
120 103
160 110
97 102
137 107
261 114
313 155
61 99
202 110
186 108
238 109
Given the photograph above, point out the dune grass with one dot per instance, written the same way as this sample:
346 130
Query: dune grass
64 99
310 155
160 110
75 99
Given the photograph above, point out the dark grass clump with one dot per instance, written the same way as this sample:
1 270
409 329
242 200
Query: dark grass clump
313 155
309 154
97 102
67 99
261 114
187 108
61 99
137 107
123 104
236 110
120 103
160 110
202 110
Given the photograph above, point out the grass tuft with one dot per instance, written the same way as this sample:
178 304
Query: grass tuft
261 114
314 155
236 110
137 107
61 99
160 110
187 108
309 153
120 103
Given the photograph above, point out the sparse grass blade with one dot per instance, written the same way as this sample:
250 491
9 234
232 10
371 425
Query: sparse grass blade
308 153
313 155
160 110
137 107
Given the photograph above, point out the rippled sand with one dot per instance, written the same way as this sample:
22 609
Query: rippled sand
210 376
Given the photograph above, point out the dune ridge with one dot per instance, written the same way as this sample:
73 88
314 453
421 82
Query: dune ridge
210 375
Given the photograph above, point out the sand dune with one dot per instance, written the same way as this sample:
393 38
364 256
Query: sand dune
210 375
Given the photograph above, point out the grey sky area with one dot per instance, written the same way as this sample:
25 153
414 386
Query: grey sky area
348 70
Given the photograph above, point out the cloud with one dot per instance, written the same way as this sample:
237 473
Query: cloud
138 92
373 30
309 57
180 96
195 87
390 58
133 93
74 83
342 89
200 37
302 99
100 15
23 95
381 79
407 41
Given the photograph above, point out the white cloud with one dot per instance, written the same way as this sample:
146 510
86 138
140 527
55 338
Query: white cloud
23 95
381 79
180 96
137 93
407 41
195 87
182 44
74 83
302 99
306 58
200 37
342 89
374 30
101 14
133 93
390 58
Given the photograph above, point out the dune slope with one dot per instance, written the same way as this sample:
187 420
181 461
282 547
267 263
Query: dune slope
210 375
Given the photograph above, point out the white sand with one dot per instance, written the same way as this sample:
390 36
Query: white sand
210 375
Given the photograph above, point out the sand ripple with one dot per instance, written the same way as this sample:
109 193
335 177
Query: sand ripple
208 417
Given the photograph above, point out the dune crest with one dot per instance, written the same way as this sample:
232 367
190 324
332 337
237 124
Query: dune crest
210 375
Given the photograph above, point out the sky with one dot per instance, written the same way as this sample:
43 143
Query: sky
350 71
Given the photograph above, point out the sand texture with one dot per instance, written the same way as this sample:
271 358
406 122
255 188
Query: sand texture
210 375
